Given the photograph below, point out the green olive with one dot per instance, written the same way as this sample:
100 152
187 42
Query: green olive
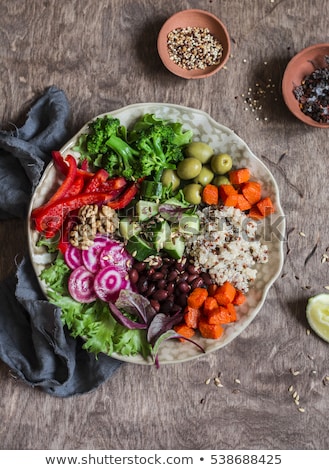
221 163
220 179
199 150
189 168
205 176
169 178
192 193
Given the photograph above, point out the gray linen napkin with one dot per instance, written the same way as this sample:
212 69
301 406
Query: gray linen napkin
33 341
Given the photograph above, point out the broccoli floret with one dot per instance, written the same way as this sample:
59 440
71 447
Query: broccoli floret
121 159
100 131
109 150
157 149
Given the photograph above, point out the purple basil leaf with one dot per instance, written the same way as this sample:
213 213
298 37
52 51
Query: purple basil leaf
162 323
170 334
125 321
136 305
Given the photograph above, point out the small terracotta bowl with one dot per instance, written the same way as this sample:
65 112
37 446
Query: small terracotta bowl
193 18
301 65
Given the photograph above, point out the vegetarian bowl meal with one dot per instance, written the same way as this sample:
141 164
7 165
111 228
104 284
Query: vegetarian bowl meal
193 44
157 232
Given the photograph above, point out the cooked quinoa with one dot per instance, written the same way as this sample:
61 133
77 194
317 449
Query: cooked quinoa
227 246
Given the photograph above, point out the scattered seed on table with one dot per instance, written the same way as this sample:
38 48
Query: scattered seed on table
207 382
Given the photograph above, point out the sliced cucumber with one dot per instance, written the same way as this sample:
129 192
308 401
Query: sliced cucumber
140 248
146 210
161 234
189 224
175 247
128 228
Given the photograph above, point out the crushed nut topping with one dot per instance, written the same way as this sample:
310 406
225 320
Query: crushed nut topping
93 220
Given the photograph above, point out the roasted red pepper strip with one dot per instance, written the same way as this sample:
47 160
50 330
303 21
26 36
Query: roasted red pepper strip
96 181
76 187
125 198
64 188
63 167
114 183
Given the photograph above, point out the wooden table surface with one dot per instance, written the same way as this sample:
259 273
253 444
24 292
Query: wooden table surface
103 55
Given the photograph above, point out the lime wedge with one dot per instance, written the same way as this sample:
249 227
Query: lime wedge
317 314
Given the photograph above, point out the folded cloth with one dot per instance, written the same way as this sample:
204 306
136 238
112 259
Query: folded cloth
33 341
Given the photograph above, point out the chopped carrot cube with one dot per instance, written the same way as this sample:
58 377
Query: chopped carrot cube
232 312
225 294
228 195
239 176
210 304
255 213
184 330
197 297
239 298
210 194
265 206
251 191
191 316
210 331
220 316
242 203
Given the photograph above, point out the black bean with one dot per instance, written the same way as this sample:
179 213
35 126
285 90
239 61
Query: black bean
181 300
207 279
184 286
164 270
140 266
150 290
142 284
183 276
166 306
191 277
157 276
198 282
172 275
160 295
180 265
192 269
162 284
133 275
170 288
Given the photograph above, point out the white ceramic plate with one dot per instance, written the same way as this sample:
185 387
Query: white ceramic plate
271 230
